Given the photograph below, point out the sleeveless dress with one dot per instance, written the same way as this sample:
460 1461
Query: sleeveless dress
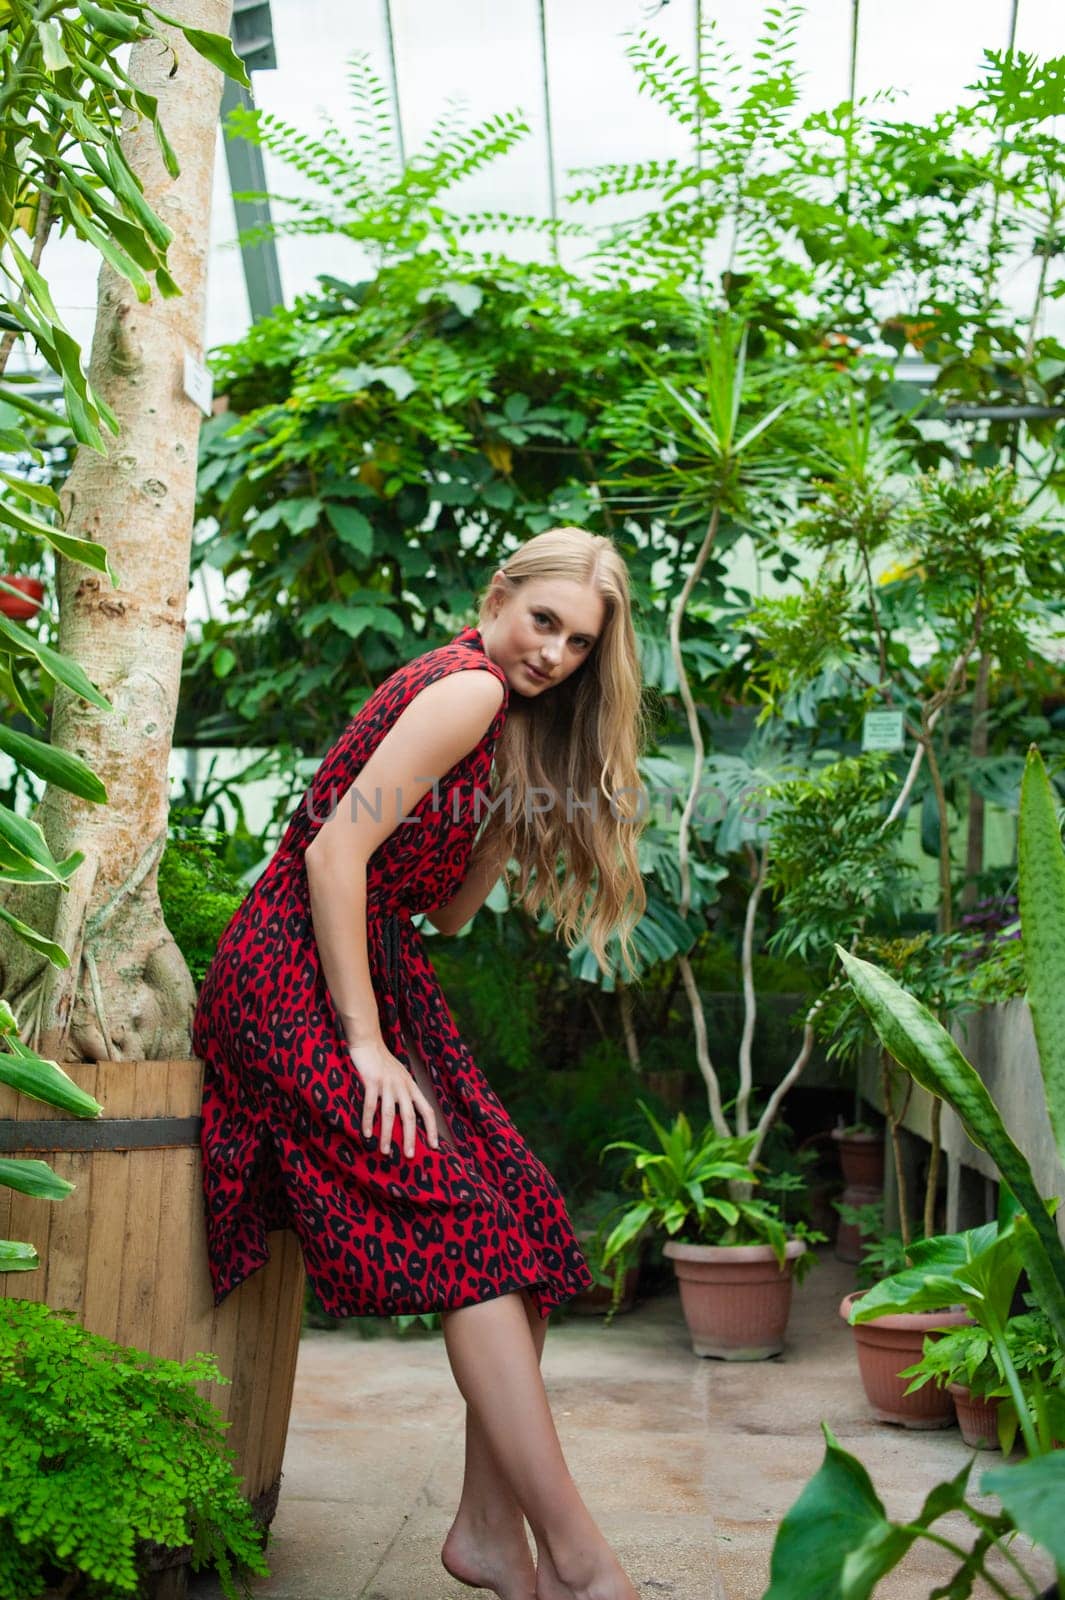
282 1105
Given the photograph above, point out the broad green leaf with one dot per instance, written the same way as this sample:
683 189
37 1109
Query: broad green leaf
626 1230
911 1034
17 1257
34 1178
837 1512
351 527
214 47
1033 1493
946 1270
62 668
112 168
44 1080
44 947
10 395
110 21
1041 866
123 264
55 57
39 493
66 771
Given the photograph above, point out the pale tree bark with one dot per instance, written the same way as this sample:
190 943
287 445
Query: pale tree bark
127 994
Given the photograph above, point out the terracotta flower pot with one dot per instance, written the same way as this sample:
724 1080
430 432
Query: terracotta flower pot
885 1347
31 588
735 1298
861 1155
977 1417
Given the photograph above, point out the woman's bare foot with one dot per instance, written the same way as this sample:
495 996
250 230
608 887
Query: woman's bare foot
491 1557
597 1576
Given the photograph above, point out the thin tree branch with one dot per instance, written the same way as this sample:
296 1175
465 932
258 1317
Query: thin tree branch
759 867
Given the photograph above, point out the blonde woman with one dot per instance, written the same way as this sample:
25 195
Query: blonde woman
340 1099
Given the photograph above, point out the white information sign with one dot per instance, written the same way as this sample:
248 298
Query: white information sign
199 383
882 730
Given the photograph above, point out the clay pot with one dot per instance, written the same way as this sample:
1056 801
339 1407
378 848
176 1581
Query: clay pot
885 1347
861 1155
977 1417
10 604
735 1298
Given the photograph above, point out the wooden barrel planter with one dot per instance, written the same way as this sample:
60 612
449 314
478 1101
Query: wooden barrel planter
126 1251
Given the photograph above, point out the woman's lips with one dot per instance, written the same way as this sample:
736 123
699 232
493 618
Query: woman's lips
541 677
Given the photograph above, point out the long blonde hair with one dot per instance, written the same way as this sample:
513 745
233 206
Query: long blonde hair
580 743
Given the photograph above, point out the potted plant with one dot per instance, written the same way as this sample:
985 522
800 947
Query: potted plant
861 1158
734 1261
867 1543
614 1289
965 1361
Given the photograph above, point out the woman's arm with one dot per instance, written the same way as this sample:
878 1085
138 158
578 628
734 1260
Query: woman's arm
443 723
484 873
440 725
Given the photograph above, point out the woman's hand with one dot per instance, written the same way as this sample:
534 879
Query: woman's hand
386 1080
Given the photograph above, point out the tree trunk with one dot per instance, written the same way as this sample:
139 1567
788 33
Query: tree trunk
127 994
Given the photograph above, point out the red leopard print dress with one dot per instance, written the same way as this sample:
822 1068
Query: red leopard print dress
282 1108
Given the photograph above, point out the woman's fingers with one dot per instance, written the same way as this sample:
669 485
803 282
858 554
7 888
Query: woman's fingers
388 1117
408 1118
369 1107
428 1116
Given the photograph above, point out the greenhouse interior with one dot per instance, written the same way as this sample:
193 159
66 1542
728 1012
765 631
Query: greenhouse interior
532 888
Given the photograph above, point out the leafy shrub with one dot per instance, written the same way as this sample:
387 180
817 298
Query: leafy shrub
197 892
101 1448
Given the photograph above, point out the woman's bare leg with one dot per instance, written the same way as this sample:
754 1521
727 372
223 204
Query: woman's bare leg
486 1546
495 1361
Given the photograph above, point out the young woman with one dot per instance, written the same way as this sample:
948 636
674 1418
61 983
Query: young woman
340 1099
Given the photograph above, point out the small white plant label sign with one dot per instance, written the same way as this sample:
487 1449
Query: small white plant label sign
882 730
198 384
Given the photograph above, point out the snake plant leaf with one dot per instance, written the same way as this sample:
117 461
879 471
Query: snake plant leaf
34 1178
1041 867
1033 1493
15 1257
911 1034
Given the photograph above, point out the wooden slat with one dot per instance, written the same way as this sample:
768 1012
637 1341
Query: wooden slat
68 1242
106 1246
289 1303
142 1264
30 1220
247 1328
269 1335
178 1215
127 1252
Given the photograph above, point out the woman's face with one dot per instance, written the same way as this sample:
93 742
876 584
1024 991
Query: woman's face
541 631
